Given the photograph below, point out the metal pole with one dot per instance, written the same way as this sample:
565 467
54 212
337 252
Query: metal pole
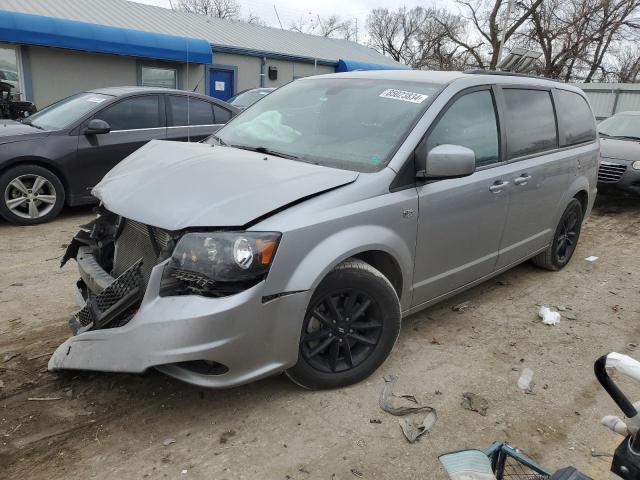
504 30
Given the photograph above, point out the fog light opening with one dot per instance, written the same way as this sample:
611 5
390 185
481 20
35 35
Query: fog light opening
204 367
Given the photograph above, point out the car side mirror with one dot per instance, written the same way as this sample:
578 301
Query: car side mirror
448 161
97 127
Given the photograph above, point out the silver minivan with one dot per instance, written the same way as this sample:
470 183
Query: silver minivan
297 238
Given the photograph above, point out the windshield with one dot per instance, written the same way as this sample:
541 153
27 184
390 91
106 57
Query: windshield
621 126
65 112
246 99
349 123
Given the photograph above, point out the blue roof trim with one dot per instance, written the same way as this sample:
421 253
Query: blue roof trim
30 29
351 65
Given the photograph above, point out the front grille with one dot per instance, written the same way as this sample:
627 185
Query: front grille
121 295
610 172
139 241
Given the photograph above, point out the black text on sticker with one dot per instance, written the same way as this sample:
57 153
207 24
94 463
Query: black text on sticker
404 96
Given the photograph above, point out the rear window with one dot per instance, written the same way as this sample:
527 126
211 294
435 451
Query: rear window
189 112
222 114
575 118
531 122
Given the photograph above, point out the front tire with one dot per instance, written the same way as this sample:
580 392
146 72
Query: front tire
565 240
30 194
349 329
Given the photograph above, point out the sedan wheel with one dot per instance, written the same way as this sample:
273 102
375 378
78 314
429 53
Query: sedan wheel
31 194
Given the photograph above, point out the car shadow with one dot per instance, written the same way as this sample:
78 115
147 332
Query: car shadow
68 213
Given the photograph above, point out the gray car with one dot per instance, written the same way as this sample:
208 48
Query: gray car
297 238
619 171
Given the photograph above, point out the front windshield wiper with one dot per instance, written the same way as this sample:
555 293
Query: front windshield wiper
266 151
27 122
620 137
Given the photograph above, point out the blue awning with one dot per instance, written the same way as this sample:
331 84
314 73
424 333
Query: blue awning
351 65
56 32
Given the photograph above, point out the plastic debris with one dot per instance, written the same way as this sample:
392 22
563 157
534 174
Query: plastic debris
398 404
461 307
415 425
417 419
475 403
168 441
548 316
592 258
525 382
43 399
9 356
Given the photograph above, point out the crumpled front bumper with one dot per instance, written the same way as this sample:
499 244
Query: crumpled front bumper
253 338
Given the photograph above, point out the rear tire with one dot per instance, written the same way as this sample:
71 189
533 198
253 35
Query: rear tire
30 194
565 240
349 329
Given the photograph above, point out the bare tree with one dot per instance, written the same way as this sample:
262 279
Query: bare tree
419 37
332 26
225 9
484 17
578 38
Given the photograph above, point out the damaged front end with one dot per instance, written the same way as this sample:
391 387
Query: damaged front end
115 256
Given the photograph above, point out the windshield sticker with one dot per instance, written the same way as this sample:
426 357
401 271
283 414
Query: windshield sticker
95 100
412 97
375 159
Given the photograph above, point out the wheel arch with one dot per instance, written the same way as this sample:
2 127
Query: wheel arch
380 246
583 197
41 162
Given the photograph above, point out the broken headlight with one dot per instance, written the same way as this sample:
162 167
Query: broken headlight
218 264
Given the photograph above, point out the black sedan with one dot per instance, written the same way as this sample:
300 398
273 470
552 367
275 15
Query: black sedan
57 155
619 171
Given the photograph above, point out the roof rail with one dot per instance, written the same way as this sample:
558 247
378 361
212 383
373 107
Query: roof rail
480 71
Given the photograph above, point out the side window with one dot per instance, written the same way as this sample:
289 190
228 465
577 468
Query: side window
470 122
133 113
199 111
222 114
530 122
575 118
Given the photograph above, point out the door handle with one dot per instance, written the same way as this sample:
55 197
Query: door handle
498 186
522 179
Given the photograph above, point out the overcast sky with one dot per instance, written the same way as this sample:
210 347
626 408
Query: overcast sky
291 11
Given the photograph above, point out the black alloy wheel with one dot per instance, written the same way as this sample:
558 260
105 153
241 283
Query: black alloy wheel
565 239
568 236
341 330
349 328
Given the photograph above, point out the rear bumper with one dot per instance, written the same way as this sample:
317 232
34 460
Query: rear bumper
628 183
252 338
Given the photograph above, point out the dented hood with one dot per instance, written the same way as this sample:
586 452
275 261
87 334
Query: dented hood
174 185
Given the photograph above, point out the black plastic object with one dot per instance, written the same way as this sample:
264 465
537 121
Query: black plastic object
612 389
626 462
569 473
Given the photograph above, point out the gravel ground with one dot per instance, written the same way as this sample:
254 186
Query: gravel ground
109 426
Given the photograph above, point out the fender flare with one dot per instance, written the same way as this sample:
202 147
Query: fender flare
322 258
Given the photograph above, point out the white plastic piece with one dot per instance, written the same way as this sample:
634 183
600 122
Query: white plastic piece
624 364
592 258
615 424
524 382
548 316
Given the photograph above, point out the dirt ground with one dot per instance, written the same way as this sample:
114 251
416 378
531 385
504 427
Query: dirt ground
115 426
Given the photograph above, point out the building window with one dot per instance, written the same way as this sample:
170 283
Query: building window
10 70
158 77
